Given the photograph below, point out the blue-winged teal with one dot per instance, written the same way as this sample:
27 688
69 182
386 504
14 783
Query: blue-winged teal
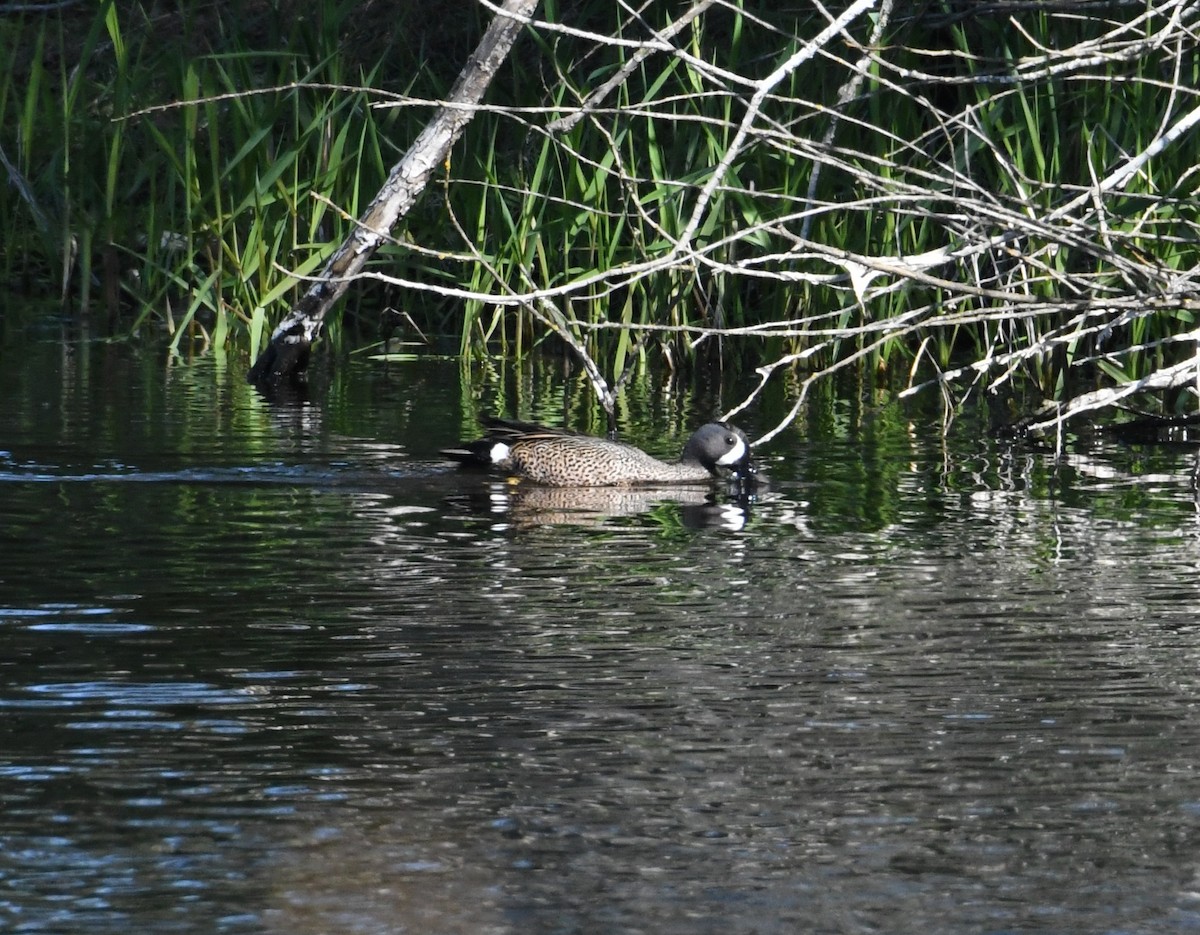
560 458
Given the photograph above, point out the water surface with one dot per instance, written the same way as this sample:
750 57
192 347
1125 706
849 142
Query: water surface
274 668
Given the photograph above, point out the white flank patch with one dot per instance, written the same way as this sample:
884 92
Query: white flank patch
499 452
734 456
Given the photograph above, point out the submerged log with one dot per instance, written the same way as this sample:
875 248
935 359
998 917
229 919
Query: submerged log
287 353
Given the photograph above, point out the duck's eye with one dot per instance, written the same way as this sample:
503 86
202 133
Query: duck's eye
730 440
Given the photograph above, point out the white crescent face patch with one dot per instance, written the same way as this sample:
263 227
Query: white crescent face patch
734 455
499 452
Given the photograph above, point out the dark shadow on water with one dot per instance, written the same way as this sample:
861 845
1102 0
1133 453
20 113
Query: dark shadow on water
285 393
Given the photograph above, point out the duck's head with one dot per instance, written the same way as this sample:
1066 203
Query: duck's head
719 446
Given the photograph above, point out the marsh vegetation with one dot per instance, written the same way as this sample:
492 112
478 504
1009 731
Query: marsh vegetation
961 196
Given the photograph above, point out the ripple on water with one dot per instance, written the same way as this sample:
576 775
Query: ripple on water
286 680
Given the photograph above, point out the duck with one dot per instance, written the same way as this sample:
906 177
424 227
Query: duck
561 458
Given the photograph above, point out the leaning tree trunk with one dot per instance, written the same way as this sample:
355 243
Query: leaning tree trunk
288 351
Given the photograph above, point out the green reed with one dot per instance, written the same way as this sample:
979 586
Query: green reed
189 186
196 190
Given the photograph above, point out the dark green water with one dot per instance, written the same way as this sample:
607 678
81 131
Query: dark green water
274 668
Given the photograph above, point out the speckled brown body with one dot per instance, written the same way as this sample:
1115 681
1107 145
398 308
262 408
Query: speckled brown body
558 458
574 460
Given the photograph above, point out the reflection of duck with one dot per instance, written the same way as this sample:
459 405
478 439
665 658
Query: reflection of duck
559 458
527 505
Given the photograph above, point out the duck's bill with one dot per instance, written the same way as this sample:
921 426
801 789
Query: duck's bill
746 471
745 467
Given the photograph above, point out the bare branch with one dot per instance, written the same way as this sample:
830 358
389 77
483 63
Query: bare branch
287 353
717 179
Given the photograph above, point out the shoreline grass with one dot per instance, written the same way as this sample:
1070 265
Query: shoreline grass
183 188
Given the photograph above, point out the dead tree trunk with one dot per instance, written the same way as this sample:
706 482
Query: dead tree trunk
286 356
